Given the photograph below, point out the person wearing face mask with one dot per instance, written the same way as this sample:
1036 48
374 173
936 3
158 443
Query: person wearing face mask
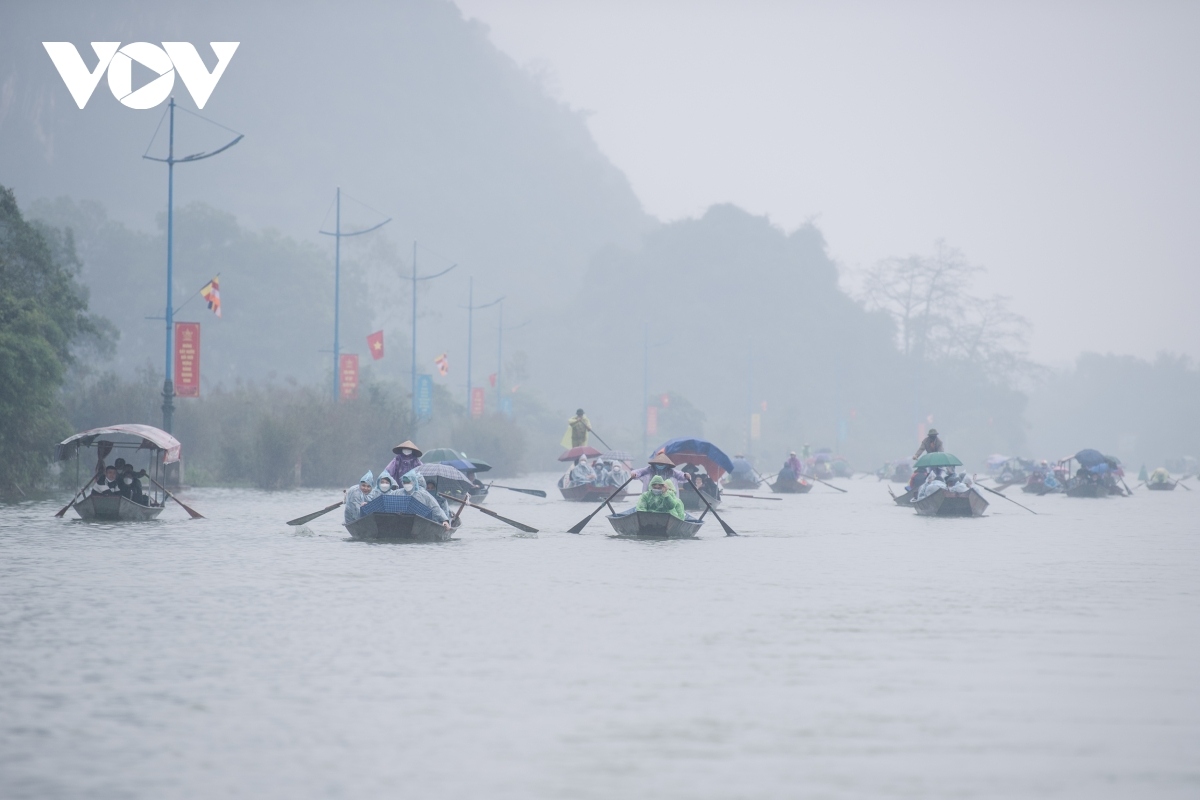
408 457
356 497
663 466
660 499
109 482
384 485
131 486
410 484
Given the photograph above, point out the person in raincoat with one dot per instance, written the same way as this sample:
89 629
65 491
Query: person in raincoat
582 473
1159 476
383 485
408 457
932 483
661 499
930 444
792 465
356 497
663 466
411 485
577 429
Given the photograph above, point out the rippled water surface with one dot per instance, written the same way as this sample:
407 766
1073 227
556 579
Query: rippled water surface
840 647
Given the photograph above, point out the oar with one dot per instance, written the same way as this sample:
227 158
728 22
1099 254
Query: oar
310 517
893 494
601 441
1123 483
579 526
830 485
750 496
193 513
490 513
534 492
1006 497
728 530
63 510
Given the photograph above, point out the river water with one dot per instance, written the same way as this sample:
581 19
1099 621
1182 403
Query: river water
840 647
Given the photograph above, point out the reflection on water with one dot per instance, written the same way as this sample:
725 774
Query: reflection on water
839 647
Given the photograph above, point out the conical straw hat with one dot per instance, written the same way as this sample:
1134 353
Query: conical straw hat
407 445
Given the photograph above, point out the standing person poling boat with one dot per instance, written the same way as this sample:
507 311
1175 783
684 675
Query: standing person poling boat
578 427
930 444
407 458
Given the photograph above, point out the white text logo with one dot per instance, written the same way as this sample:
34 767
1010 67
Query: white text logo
165 61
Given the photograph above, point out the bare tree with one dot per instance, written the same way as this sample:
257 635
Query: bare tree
937 317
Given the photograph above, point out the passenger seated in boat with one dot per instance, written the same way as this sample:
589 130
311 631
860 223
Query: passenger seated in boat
382 486
661 499
933 482
131 486
702 481
616 474
959 484
356 497
1158 477
581 474
430 484
410 483
108 483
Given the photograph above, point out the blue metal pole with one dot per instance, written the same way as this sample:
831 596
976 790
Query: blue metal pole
414 338
337 293
470 333
645 382
500 356
168 407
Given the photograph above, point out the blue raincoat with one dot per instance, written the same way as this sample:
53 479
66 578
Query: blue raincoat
356 499
422 495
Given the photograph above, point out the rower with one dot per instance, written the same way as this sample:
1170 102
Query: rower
408 458
662 466
930 444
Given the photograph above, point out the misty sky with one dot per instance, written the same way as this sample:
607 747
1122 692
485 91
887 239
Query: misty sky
1055 143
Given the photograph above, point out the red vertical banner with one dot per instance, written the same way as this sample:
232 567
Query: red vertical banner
651 420
187 359
348 376
477 402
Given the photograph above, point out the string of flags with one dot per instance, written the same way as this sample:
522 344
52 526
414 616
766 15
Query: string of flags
443 364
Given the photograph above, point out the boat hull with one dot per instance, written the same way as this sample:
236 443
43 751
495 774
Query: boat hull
1088 490
589 493
943 503
475 496
739 483
781 486
692 501
114 508
383 526
904 499
1161 487
653 525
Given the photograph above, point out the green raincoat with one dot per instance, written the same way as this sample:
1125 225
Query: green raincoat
667 502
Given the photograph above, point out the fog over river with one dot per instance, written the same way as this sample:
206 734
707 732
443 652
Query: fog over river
840 647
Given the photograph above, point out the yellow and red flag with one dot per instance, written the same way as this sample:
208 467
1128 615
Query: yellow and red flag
375 345
443 364
212 295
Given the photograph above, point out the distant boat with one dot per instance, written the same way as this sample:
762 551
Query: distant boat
654 525
590 493
162 449
790 486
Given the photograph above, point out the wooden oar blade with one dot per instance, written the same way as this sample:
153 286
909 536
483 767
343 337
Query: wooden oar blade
519 525
579 526
312 516
534 492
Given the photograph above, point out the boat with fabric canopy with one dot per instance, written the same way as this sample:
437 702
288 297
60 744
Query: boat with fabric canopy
158 448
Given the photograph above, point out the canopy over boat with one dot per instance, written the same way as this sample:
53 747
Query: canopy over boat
1090 458
699 452
937 460
575 452
151 439
996 459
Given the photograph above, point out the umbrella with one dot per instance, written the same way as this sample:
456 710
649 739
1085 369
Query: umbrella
937 460
480 465
439 454
459 466
1090 458
446 475
576 452
618 455
822 458
699 452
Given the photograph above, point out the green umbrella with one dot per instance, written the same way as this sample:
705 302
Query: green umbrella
937 460
439 454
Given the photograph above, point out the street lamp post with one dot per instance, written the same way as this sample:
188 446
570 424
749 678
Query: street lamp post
416 278
168 392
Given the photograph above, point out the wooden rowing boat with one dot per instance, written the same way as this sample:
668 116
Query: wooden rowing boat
590 493
1088 489
114 508
1165 486
782 486
944 503
654 525
904 499
393 518
692 501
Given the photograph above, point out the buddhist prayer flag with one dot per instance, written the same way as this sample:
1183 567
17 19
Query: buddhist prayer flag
212 295
187 359
492 380
443 364
477 402
348 376
375 345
